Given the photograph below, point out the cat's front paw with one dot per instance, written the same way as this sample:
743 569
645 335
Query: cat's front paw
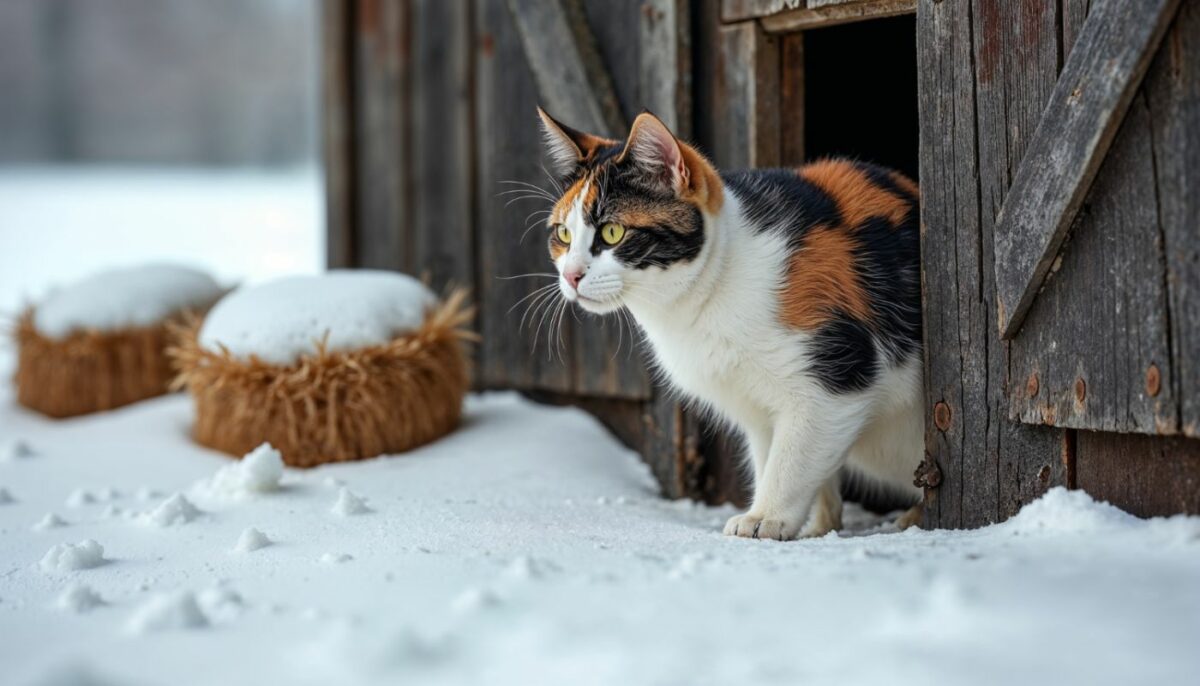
756 526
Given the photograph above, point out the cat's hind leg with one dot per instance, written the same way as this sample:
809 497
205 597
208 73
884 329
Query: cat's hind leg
826 513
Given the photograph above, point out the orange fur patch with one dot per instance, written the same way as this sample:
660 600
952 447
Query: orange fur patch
821 280
563 207
856 196
705 188
557 250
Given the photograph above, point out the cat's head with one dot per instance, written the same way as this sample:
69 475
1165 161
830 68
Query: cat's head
630 223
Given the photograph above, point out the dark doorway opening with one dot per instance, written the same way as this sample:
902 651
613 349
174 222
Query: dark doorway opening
860 92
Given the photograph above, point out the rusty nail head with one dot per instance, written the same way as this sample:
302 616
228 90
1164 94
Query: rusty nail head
941 416
1044 474
1153 381
1080 389
1032 386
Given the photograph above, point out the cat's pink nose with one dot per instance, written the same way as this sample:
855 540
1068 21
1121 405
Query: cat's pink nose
573 277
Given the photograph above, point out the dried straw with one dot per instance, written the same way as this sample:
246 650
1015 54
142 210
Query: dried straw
89 371
332 406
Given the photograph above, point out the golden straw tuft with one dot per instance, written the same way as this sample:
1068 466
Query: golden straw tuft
89 371
332 406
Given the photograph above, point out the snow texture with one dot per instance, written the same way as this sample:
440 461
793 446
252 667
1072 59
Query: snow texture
6 497
79 598
259 471
124 298
495 556
251 539
70 557
172 611
174 511
80 497
50 521
15 449
349 504
283 320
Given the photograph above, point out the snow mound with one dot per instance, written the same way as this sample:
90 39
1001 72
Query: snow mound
124 298
251 539
349 504
474 600
173 511
49 521
69 557
79 598
6 497
168 612
146 494
1068 512
525 568
221 603
259 471
14 450
80 497
281 321
335 558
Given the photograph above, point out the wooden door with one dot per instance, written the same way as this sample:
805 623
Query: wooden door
1061 229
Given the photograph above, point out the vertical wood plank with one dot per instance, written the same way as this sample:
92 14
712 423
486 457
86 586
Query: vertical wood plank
953 283
381 190
791 99
1173 92
1016 66
507 140
665 63
442 226
745 98
1149 476
337 136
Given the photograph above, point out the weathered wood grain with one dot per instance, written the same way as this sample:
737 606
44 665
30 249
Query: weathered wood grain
1172 88
1099 78
380 189
1017 57
665 63
573 82
951 280
820 16
791 99
507 141
745 98
441 166
336 134
1150 476
741 10
1101 323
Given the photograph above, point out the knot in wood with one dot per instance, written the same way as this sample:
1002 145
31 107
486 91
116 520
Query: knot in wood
1032 385
1080 390
941 416
927 475
1153 380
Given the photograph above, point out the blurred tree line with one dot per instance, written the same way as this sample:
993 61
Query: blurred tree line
188 82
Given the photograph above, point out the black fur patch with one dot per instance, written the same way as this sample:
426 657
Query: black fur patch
888 262
843 357
780 200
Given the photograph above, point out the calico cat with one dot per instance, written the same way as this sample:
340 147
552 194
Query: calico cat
786 301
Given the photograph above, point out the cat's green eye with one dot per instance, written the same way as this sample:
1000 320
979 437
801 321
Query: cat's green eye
563 234
612 233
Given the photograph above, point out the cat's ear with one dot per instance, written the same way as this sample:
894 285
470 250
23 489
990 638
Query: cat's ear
655 150
568 148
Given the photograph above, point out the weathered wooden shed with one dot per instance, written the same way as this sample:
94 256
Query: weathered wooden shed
1057 144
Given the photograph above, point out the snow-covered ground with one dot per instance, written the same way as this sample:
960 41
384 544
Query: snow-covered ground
59 224
530 548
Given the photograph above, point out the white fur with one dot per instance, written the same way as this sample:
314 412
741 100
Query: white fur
715 330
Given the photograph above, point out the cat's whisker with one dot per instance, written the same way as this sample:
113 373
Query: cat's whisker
550 275
537 292
542 300
553 180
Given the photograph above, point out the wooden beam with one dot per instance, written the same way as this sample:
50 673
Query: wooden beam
572 81
741 10
815 17
337 140
1087 106
746 97
665 81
